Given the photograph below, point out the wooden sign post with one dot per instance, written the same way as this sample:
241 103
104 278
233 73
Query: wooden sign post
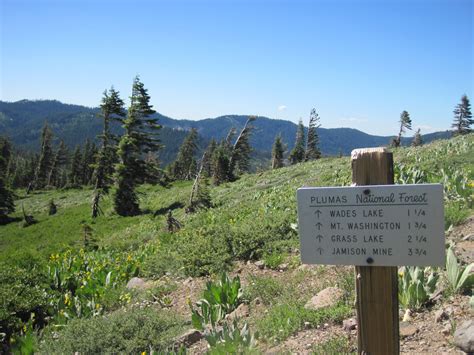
376 286
375 226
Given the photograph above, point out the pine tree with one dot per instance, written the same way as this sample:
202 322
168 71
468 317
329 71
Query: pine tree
184 167
240 157
298 153
278 150
59 161
75 175
207 164
87 162
45 160
112 109
417 141
5 156
312 145
140 137
30 169
6 196
405 123
200 196
220 165
463 117
154 174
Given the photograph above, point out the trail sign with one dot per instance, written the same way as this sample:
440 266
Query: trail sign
379 225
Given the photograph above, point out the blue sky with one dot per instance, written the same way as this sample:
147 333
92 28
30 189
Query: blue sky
359 63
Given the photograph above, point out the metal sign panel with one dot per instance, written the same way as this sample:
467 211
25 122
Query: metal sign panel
380 225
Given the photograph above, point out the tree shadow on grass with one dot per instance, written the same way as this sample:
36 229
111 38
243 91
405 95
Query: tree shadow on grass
164 210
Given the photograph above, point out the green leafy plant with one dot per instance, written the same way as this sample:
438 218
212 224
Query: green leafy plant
459 277
219 299
415 286
227 292
81 282
334 345
231 339
273 260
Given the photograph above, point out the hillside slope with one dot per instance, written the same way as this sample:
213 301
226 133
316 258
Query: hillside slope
22 121
252 219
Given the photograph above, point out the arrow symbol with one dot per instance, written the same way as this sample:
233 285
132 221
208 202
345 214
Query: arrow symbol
320 250
319 225
318 212
319 237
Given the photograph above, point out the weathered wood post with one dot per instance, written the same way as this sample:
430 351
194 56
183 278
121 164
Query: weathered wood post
376 286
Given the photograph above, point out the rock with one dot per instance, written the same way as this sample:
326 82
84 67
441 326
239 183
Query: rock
260 264
447 329
189 338
257 301
407 329
326 298
307 325
349 324
283 267
464 336
136 283
440 315
449 311
465 250
242 311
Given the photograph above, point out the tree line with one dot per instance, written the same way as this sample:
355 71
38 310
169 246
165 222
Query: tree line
131 159
461 123
124 161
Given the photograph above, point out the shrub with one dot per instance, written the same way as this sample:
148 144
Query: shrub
231 340
334 345
22 294
126 331
415 286
266 288
459 277
283 320
454 214
218 300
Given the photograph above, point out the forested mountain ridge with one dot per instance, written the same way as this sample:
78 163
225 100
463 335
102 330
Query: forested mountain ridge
22 122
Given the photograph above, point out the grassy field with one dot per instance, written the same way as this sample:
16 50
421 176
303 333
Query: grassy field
253 218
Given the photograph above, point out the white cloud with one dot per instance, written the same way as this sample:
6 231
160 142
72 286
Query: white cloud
281 108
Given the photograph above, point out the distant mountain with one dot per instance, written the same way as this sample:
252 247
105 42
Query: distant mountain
22 122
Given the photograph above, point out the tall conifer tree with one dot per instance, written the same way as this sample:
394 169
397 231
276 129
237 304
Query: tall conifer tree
417 141
278 150
298 152
112 109
59 161
45 159
207 168
312 145
6 196
75 174
240 157
140 137
405 123
184 167
463 117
